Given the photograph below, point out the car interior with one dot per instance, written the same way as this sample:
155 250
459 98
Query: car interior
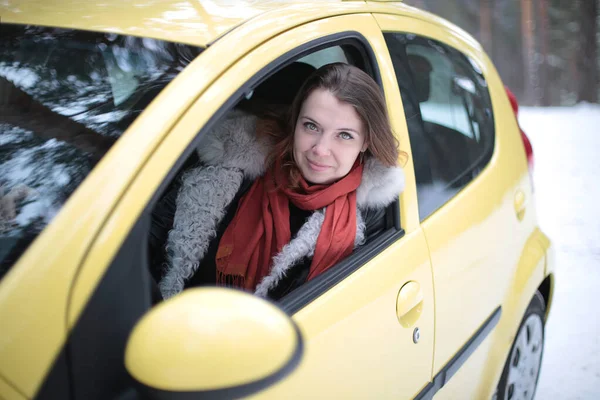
446 154
276 91
447 165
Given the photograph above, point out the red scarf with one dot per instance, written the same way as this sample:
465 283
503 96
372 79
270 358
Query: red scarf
261 226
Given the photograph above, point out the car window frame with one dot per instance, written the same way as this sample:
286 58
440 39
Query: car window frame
96 257
309 291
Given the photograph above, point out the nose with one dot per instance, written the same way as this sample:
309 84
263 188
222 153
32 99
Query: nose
321 147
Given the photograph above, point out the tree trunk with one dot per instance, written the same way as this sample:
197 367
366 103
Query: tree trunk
420 4
485 25
20 109
587 89
544 92
528 29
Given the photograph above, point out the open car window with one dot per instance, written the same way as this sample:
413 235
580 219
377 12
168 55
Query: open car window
65 97
270 92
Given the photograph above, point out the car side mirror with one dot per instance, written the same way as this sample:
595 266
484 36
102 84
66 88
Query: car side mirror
213 342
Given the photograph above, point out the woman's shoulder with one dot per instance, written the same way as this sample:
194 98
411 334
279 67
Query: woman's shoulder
233 143
380 185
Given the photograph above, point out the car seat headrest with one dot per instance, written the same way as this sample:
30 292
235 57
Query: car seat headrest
421 69
282 86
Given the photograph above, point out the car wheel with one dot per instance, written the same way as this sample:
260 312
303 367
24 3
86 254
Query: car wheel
522 369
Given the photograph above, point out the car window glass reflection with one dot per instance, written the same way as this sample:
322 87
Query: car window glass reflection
65 97
449 116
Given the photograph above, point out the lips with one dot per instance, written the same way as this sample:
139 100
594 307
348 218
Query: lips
316 166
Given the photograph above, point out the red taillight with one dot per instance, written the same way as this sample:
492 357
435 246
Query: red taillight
528 150
526 142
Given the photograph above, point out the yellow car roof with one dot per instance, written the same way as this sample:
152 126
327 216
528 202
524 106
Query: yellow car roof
195 22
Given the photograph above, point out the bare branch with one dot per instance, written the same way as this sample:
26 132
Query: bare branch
20 109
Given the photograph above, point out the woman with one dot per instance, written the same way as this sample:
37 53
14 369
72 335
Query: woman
271 208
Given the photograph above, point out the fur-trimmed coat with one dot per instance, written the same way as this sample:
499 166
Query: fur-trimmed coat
231 154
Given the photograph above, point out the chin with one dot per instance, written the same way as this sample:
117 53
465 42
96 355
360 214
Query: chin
315 178
318 179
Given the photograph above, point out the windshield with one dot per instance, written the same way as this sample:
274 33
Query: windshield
65 97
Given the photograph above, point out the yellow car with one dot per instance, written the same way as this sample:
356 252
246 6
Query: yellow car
103 106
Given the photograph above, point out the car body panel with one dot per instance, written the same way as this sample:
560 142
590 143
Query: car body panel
342 346
8 391
54 263
465 258
191 22
549 268
478 377
527 276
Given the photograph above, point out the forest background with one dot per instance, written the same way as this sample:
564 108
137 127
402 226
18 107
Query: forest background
546 51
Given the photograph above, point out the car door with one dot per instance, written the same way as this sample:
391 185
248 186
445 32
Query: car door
356 347
356 343
467 186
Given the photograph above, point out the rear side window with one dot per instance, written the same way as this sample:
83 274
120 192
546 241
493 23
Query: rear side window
449 116
65 97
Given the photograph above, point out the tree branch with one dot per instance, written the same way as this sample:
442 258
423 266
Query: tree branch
20 109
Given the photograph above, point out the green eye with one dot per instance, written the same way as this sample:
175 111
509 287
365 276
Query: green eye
346 136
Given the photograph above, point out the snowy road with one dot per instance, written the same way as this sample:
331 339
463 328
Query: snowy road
566 143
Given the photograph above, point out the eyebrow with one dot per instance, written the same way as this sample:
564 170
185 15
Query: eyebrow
342 129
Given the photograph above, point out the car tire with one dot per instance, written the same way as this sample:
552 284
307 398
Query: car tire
522 369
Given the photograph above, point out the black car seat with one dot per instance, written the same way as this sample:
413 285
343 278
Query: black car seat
414 89
277 90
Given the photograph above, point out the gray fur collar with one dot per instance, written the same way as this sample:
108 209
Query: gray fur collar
229 154
233 144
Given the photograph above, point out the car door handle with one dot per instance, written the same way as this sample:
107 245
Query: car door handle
409 304
520 204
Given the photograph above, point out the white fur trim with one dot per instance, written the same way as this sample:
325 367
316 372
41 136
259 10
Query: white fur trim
361 230
303 245
233 144
380 185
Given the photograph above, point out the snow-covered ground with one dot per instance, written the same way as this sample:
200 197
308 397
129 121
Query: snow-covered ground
566 144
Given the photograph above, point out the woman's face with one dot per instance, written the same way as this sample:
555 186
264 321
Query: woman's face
328 137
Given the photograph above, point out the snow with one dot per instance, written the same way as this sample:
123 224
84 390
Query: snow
44 175
26 78
19 168
566 143
40 206
12 135
112 116
60 175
